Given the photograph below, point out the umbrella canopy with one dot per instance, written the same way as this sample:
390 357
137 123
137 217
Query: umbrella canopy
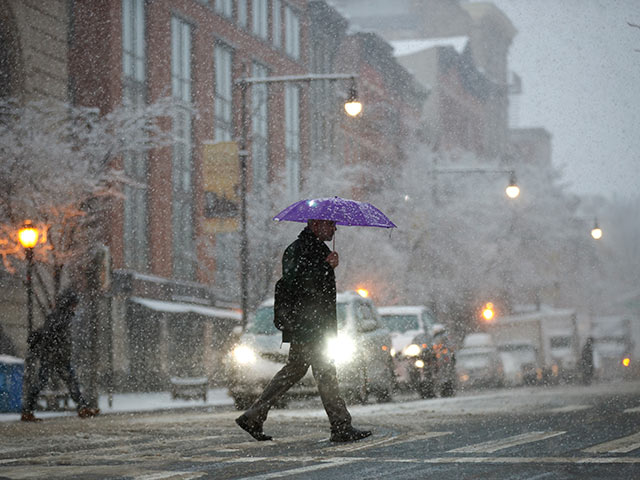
340 210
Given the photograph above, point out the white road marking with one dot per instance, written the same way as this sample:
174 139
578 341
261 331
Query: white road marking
632 410
619 445
169 475
569 408
495 445
334 462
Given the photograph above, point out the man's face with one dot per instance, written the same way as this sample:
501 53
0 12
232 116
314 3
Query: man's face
323 229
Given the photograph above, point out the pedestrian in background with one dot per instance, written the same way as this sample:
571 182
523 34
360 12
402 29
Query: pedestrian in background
50 347
308 272
586 361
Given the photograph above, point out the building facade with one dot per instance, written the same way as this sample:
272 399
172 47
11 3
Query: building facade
161 313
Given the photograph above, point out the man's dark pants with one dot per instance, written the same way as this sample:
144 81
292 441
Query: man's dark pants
35 385
301 356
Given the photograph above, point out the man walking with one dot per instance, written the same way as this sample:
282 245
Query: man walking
308 272
51 345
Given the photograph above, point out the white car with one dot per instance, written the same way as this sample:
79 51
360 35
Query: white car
406 323
361 353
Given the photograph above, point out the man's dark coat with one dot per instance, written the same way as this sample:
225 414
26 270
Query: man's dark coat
312 280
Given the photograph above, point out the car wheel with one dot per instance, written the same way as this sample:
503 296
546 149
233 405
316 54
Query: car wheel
426 388
448 390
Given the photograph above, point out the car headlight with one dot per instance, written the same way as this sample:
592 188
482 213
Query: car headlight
393 352
412 350
341 349
244 355
419 364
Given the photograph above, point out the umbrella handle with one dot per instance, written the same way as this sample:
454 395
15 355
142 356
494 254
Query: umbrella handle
334 242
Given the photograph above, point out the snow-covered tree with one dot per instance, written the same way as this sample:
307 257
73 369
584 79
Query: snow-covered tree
58 165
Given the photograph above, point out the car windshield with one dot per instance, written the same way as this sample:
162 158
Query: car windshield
525 353
473 359
400 323
262 323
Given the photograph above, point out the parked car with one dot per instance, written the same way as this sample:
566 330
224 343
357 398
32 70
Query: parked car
520 362
405 323
361 353
478 362
434 369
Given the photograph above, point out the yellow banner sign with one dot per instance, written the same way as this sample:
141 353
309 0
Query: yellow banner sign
221 172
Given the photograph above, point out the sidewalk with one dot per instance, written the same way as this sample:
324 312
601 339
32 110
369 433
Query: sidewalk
139 402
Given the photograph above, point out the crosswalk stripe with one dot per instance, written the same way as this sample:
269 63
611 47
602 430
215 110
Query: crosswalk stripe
619 445
569 408
632 410
495 445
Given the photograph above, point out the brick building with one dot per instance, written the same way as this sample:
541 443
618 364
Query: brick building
162 313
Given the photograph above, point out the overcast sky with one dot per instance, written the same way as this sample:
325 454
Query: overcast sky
581 81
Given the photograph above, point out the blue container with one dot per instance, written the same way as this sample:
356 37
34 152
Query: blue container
11 374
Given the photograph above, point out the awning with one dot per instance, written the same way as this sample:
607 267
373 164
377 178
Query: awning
178 307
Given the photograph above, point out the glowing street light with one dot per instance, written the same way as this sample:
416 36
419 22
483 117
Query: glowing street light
512 190
352 106
488 312
596 231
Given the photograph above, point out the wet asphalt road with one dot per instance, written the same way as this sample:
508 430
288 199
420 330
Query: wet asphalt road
566 432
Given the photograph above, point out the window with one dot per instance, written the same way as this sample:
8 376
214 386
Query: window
223 94
277 23
292 139
260 21
182 214
224 8
292 32
260 126
135 229
242 13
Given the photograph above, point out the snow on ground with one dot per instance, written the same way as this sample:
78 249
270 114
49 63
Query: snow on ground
140 402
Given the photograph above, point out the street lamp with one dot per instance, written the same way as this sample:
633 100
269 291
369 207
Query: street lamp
596 231
28 236
512 190
352 106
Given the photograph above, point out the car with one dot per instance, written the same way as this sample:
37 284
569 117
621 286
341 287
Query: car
405 323
361 353
478 362
520 362
434 368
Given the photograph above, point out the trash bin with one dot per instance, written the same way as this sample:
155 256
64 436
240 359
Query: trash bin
11 373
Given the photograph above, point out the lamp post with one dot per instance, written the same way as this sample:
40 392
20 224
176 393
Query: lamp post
353 107
28 236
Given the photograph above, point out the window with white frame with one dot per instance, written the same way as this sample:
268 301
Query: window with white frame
224 8
292 32
241 6
182 198
259 130
136 227
292 139
223 89
260 18
277 23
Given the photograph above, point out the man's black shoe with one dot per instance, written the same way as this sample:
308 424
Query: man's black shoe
252 429
349 434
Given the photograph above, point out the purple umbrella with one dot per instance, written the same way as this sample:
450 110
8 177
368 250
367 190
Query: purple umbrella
341 210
